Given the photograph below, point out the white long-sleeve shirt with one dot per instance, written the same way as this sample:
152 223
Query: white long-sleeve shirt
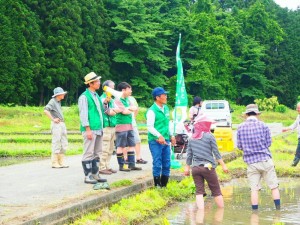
295 125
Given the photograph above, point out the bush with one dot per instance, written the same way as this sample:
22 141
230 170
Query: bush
280 108
267 104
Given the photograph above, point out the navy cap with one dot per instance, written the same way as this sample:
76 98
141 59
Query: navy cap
158 91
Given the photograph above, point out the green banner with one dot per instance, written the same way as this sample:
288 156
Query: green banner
181 96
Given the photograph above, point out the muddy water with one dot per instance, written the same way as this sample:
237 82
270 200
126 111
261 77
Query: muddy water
238 208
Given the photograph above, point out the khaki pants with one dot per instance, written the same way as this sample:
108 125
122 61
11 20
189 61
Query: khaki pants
91 148
59 138
109 137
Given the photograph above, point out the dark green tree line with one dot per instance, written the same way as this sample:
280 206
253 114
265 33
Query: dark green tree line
236 50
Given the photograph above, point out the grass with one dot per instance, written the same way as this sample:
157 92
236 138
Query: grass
138 208
32 119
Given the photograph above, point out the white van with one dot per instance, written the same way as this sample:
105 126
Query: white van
218 110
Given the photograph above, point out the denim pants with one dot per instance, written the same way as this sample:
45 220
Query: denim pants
298 149
161 155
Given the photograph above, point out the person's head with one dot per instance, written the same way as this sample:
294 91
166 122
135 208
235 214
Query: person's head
125 88
59 93
159 95
92 81
108 83
201 125
298 107
252 110
197 101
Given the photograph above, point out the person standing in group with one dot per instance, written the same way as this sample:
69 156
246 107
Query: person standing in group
195 109
201 151
296 125
109 134
124 130
58 128
159 136
254 139
91 126
137 137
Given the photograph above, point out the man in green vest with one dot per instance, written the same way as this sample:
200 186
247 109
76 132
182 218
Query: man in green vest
91 126
124 130
109 133
159 136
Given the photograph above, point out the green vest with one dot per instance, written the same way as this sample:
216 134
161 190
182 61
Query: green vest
94 115
121 118
109 121
161 123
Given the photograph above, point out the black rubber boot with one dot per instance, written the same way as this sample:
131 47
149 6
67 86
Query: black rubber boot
95 170
121 163
157 182
295 161
131 161
164 180
87 169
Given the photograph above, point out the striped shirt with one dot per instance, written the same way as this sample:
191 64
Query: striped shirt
254 139
202 151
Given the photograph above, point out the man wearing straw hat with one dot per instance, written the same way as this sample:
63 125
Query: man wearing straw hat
91 126
58 128
254 139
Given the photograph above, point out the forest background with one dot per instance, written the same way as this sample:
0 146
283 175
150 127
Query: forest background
239 50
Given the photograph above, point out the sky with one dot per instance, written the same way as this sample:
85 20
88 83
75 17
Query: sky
291 4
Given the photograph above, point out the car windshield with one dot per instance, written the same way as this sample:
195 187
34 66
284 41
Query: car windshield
215 105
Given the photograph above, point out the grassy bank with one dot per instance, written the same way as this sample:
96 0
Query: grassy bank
32 119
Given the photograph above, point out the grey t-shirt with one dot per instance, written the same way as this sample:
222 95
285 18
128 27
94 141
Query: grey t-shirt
54 107
202 151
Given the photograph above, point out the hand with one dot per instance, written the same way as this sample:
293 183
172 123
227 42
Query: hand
89 134
285 129
173 141
56 120
187 170
225 169
161 140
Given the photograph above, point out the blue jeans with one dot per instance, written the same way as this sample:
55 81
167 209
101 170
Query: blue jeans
161 155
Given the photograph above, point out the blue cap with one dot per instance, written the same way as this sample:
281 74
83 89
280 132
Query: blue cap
158 91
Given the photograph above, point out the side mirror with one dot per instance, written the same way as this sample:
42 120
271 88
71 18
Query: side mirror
231 110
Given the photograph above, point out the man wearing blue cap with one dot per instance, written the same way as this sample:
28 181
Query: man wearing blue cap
158 117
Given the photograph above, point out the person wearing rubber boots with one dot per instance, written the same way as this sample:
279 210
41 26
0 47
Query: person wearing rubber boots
159 136
124 130
91 127
109 135
54 112
295 125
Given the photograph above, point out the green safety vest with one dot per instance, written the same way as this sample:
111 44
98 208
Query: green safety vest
109 121
121 118
95 116
161 123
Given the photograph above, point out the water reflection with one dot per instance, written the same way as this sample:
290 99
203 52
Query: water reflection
238 207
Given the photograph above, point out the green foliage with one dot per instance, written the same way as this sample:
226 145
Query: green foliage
280 108
236 50
121 183
267 104
136 209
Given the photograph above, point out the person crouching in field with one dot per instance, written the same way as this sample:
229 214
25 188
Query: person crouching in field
58 128
202 148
